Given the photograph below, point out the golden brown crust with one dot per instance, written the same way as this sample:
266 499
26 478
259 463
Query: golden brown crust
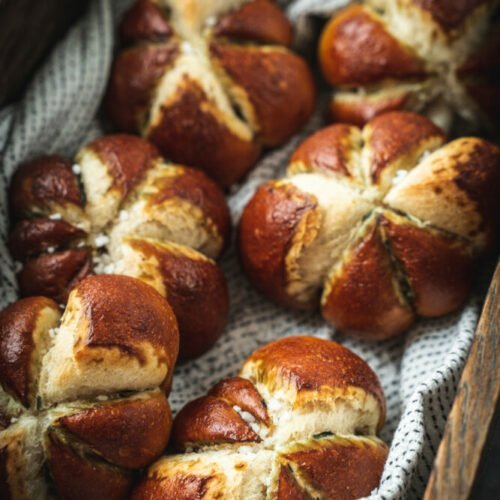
32 236
478 174
395 135
54 275
126 157
239 391
124 312
129 433
156 88
278 84
133 76
78 477
362 297
448 194
213 428
356 49
17 325
259 20
210 420
309 363
196 290
187 131
195 187
266 230
360 110
288 487
456 189
38 182
438 266
145 20
333 466
329 150
181 487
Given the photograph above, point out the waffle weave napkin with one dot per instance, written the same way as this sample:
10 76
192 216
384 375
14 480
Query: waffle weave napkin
419 371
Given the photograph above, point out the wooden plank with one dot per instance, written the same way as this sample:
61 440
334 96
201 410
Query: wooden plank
28 30
468 423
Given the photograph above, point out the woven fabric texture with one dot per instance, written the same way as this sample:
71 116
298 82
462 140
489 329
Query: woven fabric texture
419 371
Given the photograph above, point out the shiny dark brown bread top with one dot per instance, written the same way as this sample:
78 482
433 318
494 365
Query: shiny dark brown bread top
56 226
197 292
163 84
91 443
425 211
292 452
403 56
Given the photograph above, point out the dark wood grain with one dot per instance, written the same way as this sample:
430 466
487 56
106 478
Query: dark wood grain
468 423
28 30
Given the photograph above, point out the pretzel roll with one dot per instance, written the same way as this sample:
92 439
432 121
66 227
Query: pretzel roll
189 281
116 333
384 223
276 431
129 193
82 396
205 99
435 58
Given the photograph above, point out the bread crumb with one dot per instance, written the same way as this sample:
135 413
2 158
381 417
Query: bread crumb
101 240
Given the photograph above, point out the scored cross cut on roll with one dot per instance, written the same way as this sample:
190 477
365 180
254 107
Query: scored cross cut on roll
299 421
84 395
210 82
377 225
122 209
438 58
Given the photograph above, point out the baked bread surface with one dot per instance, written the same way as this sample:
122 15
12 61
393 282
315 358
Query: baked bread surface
120 208
83 394
210 82
435 57
299 421
376 226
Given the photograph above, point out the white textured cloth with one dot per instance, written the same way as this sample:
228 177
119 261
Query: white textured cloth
419 371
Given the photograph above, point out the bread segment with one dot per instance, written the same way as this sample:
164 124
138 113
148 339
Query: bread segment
298 422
